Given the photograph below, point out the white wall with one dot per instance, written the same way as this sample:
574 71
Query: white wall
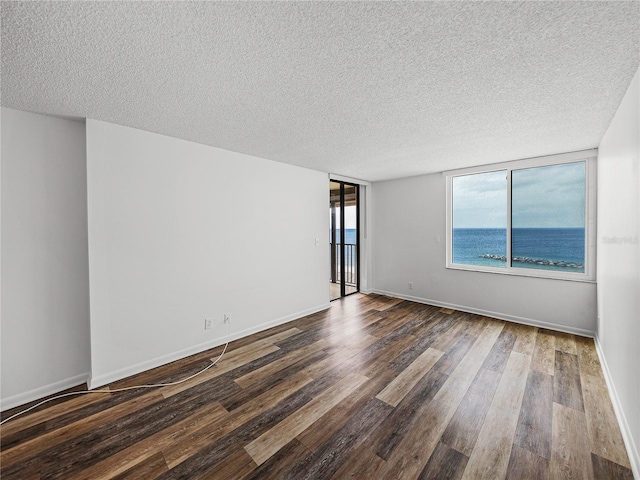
180 231
45 284
408 215
619 263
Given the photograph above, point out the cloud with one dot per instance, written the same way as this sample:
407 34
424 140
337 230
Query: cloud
480 200
550 196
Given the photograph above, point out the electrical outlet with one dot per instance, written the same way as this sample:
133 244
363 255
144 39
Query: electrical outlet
410 285
227 317
208 323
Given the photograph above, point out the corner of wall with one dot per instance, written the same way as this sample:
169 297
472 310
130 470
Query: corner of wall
627 436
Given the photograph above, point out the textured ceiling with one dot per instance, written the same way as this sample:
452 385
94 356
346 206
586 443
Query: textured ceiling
371 90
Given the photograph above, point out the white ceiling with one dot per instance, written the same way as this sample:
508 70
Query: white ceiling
370 90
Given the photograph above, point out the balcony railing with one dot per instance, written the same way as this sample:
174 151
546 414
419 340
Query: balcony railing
350 264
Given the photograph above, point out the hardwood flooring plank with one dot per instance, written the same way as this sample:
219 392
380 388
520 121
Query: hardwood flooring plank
321 367
395 426
55 437
524 464
285 361
603 468
302 339
468 368
544 353
65 419
217 450
567 388
444 340
213 431
150 467
38 418
239 398
588 357
227 363
271 335
361 463
277 467
452 357
499 354
93 447
237 465
349 334
383 302
525 337
490 456
565 342
388 325
371 365
463 429
150 446
326 426
403 383
435 330
278 337
271 441
329 456
569 457
533 432
413 452
445 463
478 323
428 319
604 439
80 450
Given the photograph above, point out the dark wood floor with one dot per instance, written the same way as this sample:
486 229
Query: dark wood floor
373 388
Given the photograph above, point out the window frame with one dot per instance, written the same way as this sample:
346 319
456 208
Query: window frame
586 156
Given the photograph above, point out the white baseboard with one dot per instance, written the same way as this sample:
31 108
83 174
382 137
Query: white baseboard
632 448
487 313
106 378
41 392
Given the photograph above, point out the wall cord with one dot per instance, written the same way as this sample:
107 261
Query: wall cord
156 385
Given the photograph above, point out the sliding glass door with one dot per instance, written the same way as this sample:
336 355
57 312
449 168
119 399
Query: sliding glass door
343 239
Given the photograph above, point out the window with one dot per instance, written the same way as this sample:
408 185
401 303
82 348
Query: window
530 217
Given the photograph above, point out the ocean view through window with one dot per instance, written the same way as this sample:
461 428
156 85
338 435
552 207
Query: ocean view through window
529 218
480 219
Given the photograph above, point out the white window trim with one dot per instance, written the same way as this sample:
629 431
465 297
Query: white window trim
587 156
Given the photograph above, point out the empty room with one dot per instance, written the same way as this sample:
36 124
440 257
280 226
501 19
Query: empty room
320 240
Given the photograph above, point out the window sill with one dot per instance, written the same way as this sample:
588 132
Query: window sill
521 272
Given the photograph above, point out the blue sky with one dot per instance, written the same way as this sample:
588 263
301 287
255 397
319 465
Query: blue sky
542 197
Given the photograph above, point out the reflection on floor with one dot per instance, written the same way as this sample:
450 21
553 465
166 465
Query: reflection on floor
335 290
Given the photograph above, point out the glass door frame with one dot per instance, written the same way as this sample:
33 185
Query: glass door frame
342 249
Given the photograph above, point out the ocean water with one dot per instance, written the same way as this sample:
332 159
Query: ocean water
349 235
540 248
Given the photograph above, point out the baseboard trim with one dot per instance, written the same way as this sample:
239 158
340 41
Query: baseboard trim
41 392
106 378
487 313
632 449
